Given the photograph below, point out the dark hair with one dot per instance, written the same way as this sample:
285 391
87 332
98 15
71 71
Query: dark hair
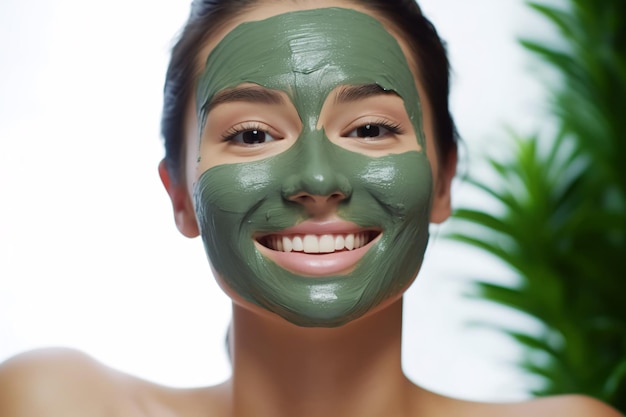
208 16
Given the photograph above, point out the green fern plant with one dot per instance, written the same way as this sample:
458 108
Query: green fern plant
559 221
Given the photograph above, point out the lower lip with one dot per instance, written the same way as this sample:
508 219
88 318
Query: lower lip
336 263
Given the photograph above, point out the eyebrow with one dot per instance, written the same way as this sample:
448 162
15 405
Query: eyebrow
246 94
353 93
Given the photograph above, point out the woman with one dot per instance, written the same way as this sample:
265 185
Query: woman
309 143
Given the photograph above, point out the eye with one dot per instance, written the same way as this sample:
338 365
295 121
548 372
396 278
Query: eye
249 135
252 137
374 130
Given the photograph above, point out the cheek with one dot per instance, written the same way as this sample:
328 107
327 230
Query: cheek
399 177
396 191
233 190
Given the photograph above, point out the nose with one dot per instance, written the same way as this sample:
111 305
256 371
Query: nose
318 184
318 194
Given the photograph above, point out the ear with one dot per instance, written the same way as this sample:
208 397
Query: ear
184 214
442 207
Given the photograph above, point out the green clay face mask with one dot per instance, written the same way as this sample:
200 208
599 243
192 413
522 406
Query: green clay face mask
307 55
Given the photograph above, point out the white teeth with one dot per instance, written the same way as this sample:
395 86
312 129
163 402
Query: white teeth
327 244
287 244
318 243
298 246
311 244
349 242
340 242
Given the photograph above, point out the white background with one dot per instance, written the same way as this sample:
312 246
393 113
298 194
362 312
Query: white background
89 254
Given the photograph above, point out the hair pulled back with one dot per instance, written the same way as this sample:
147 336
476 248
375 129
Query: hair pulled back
208 16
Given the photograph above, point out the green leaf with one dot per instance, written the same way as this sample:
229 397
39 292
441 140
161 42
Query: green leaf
483 219
561 19
616 381
559 213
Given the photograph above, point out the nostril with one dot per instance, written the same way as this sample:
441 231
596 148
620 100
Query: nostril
335 197
317 200
303 199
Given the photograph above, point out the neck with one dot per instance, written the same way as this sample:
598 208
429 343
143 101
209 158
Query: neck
280 369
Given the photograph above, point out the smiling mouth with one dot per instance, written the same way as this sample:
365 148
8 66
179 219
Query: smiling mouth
322 244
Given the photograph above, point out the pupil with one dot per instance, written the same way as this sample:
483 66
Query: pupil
254 136
368 131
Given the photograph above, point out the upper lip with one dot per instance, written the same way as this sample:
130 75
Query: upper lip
320 228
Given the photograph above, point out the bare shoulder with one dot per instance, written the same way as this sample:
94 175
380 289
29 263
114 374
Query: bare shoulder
565 405
57 382
69 383
557 406
568 405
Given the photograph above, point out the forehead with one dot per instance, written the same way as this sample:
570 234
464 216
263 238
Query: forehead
306 54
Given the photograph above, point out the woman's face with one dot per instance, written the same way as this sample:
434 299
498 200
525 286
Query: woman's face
309 174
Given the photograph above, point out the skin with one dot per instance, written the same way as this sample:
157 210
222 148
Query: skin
279 369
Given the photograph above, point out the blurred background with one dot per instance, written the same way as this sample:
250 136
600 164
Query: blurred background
89 254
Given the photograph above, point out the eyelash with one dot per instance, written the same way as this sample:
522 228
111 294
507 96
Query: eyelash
394 128
230 134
